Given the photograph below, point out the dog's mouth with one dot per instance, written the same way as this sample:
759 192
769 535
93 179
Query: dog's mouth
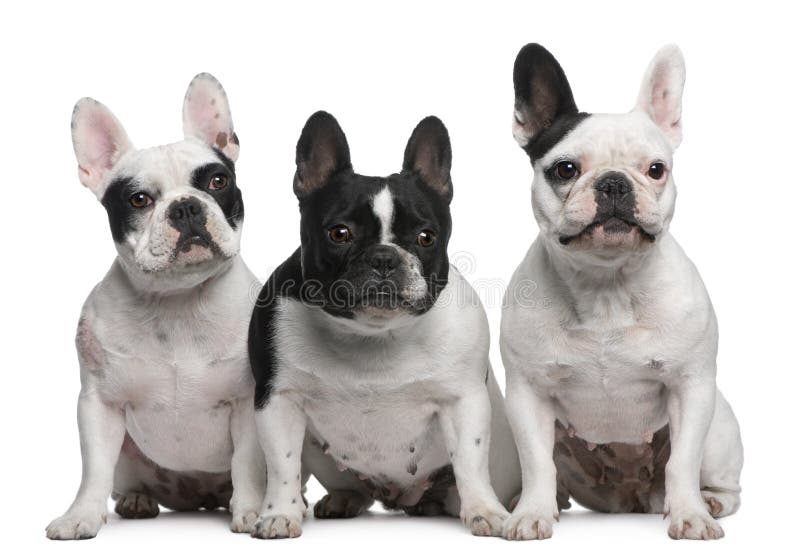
616 225
185 243
195 248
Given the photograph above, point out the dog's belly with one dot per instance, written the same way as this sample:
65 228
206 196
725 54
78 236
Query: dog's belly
612 410
182 491
183 438
614 477
395 447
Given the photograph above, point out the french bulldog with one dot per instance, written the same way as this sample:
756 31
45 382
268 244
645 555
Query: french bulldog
370 351
611 361
165 410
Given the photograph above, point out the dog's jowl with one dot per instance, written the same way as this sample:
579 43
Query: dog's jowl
166 407
370 351
611 385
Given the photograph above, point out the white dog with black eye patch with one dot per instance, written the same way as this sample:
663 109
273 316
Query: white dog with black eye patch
166 404
611 363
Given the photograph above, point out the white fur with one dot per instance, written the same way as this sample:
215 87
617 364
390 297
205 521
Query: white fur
383 208
627 339
162 345
370 395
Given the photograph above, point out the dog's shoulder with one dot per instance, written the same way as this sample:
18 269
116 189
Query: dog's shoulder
285 282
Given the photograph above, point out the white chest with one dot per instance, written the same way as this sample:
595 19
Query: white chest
391 435
608 386
176 384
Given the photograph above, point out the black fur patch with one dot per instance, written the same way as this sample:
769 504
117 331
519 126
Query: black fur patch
121 213
543 100
340 277
343 272
550 137
229 198
284 282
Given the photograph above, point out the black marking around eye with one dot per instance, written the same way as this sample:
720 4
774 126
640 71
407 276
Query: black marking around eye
229 198
548 138
121 214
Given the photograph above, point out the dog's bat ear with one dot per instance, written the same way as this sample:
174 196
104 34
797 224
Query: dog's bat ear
541 93
428 154
99 141
662 90
207 115
322 152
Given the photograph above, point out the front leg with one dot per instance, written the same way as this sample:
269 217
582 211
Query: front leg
248 470
690 404
102 430
281 426
466 425
532 419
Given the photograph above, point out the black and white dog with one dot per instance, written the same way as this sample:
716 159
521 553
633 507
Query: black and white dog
611 385
166 411
371 353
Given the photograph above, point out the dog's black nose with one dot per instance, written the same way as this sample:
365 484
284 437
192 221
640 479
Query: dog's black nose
614 185
187 215
384 259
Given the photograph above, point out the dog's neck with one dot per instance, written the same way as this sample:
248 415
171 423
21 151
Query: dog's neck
180 289
605 292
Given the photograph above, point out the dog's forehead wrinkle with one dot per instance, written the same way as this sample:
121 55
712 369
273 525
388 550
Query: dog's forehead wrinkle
617 138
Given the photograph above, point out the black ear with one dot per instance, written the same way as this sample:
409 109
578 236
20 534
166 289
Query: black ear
322 152
541 93
428 154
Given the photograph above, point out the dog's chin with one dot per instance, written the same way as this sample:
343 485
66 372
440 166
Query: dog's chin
612 235
195 256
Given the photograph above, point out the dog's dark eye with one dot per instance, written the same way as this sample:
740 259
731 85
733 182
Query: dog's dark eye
339 234
426 238
218 182
656 171
566 170
140 200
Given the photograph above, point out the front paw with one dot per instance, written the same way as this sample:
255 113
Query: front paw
276 527
529 524
485 520
693 523
75 525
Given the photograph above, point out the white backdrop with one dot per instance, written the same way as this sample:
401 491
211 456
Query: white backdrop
379 70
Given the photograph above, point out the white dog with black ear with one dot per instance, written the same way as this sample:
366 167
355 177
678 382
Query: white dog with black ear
165 411
608 336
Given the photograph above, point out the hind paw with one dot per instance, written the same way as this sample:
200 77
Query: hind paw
135 505
720 503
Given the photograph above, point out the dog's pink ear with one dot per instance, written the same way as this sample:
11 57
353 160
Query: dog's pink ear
662 90
99 141
207 116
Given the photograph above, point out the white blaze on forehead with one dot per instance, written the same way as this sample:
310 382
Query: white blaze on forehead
383 208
